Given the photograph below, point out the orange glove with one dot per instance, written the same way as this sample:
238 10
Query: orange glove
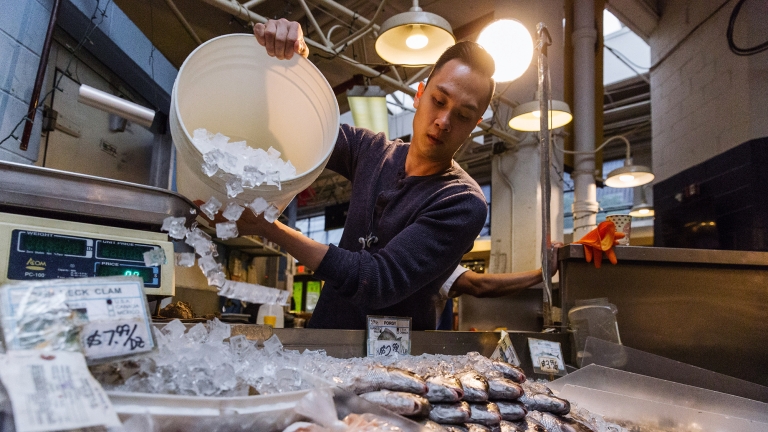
599 240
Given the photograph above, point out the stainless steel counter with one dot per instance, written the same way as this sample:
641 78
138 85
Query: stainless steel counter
706 308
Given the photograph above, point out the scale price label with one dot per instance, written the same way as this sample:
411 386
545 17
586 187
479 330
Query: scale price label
547 357
388 336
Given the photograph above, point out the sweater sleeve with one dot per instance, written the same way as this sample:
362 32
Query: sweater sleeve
351 145
439 236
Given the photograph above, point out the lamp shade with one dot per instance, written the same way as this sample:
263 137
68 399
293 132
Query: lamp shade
511 46
369 108
642 210
526 117
414 38
629 176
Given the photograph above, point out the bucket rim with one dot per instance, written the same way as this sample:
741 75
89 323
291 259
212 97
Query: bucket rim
312 67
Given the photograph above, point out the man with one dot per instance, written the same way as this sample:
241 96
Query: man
413 211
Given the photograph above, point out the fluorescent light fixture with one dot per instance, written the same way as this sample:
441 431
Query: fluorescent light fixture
414 38
526 117
116 105
369 108
629 176
511 46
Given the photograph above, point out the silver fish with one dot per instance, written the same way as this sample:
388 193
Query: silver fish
546 403
511 411
527 425
475 387
508 426
456 413
406 404
432 426
503 389
554 423
474 427
485 414
380 378
444 388
509 371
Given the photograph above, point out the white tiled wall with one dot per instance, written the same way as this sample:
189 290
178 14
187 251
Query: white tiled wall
705 99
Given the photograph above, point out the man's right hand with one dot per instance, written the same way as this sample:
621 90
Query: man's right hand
281 38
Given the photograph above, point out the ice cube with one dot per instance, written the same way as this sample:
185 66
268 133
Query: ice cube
174 329
273 179
178 230
204 247
228 163
209 169
226 230
273 344
252 176
271 213
169 221
217 279
234 187
239 344
207 264
233 211
258 206
192 211
211 207
185 259
154 257
218 331
213 157
274 154
198 333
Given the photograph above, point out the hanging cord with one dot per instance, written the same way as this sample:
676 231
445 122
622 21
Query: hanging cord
729 34
102 13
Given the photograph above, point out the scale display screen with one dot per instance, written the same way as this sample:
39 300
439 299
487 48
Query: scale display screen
119 251
52 244
146 273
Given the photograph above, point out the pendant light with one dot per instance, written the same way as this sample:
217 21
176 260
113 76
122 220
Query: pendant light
369 108
511 46
414 38
526 117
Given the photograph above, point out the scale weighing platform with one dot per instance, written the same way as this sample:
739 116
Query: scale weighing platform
33 248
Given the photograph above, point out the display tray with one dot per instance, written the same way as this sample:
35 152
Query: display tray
60 194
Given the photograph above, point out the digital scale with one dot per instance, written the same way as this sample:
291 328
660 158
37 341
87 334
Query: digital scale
34 248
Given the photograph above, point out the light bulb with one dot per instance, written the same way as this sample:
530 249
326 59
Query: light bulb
511 46
536 114
644 211
626 177
417 39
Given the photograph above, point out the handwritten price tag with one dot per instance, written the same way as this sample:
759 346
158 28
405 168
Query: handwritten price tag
549 365
113 338
389 348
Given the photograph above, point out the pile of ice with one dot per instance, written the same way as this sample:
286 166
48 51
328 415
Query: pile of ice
248 166
207 361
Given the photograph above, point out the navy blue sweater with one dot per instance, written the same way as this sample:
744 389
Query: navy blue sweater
423 226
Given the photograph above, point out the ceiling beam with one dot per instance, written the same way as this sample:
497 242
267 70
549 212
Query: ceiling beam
638 15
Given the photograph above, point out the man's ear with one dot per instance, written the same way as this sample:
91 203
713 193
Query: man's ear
419 93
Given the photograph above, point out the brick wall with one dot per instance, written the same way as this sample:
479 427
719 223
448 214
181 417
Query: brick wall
705 99
23 24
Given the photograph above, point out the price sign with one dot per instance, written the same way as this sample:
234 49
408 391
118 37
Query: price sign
52 391
548 364
110 314
102 339
505 351
546 357
388 336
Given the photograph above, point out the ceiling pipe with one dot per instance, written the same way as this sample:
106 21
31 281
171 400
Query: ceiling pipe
183 21
585 205
237 10
41 67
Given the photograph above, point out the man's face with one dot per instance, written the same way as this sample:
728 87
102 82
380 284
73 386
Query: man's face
448 110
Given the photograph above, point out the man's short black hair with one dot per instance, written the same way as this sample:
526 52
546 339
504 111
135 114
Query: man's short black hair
473 55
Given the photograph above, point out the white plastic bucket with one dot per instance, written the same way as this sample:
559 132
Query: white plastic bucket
229 85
